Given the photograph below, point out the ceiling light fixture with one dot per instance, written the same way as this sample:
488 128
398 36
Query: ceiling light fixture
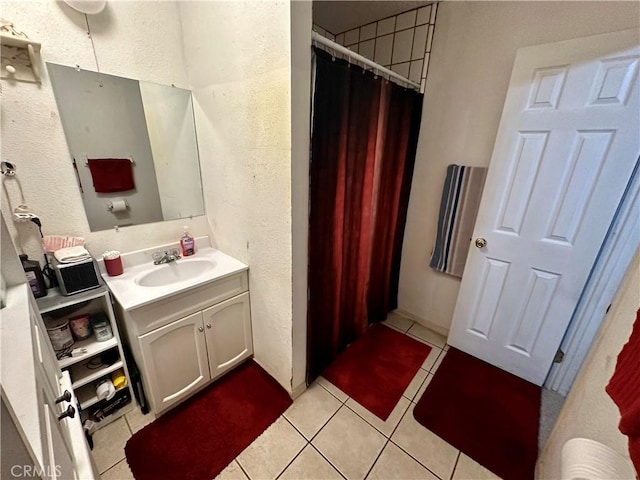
89 7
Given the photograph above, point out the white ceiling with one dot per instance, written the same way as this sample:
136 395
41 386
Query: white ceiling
339 16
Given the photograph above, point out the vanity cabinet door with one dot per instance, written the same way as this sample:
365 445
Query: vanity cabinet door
228 330
175 361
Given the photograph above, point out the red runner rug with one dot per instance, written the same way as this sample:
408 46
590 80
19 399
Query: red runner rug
376 369
624 390
199 438
490 415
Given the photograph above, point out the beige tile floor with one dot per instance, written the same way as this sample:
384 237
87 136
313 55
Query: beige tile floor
326 435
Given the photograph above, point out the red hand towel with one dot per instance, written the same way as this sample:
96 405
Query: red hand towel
111 174
624 389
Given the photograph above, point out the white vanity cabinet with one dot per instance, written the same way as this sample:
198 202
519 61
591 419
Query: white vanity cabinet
184 341
228 333
174 361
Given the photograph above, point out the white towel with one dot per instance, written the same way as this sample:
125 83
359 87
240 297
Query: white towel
71 254
51 243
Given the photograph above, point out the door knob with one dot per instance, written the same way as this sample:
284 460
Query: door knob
481 242
69 412
200 329
65 397
208 325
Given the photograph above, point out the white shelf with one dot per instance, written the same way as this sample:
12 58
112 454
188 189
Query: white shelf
19 42
54 300
82 374
87 396
93 347
97 300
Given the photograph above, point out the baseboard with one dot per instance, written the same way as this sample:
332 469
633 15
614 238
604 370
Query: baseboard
299 390
425 323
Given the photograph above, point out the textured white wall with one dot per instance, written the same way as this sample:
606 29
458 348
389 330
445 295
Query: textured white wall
301 15
238 59
473 52
588 410
140 40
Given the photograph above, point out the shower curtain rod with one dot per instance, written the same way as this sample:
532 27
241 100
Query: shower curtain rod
316 37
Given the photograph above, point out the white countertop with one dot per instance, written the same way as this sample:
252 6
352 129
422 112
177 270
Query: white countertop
130 295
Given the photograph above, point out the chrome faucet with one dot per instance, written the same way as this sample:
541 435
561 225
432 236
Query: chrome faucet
166 257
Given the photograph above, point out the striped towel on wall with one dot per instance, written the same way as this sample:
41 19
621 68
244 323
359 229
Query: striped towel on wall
458 210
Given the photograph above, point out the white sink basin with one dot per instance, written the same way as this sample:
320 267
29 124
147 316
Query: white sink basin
175 272
143 283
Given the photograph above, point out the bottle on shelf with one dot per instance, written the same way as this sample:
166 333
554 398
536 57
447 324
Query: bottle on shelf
34 276
101 326
187 243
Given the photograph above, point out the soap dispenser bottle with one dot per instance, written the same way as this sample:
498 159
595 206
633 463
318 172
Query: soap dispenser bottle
187 243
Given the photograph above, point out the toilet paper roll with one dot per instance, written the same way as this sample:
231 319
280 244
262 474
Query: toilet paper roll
105 390
586 459
117 205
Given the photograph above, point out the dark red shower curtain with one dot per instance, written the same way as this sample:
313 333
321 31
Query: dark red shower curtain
363 150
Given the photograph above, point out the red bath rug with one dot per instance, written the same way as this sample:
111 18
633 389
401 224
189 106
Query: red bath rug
199 438
489 414
376 369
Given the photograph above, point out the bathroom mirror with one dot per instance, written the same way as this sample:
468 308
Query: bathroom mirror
133 147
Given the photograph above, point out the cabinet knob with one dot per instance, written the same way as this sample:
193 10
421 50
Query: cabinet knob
65 397
200 329
208 325
69 412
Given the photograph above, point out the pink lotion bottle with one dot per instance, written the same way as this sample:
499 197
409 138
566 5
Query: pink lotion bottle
187 243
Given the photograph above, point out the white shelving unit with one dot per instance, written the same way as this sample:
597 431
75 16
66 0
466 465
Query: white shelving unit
87 370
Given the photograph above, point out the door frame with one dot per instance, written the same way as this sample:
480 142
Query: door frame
613 260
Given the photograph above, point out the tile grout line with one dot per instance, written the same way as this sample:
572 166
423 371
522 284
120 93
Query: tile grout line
377 458
331 393
237 460
419 387
312 445
319 430
124 457
126 420
297 454
327 460
455 465
411 456
371 425
360 416
400 447
418 461
441 354
239 465
113 466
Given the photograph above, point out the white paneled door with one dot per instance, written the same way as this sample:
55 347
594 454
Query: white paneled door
566 147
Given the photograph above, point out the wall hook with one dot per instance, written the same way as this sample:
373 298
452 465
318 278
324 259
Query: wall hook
8 169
